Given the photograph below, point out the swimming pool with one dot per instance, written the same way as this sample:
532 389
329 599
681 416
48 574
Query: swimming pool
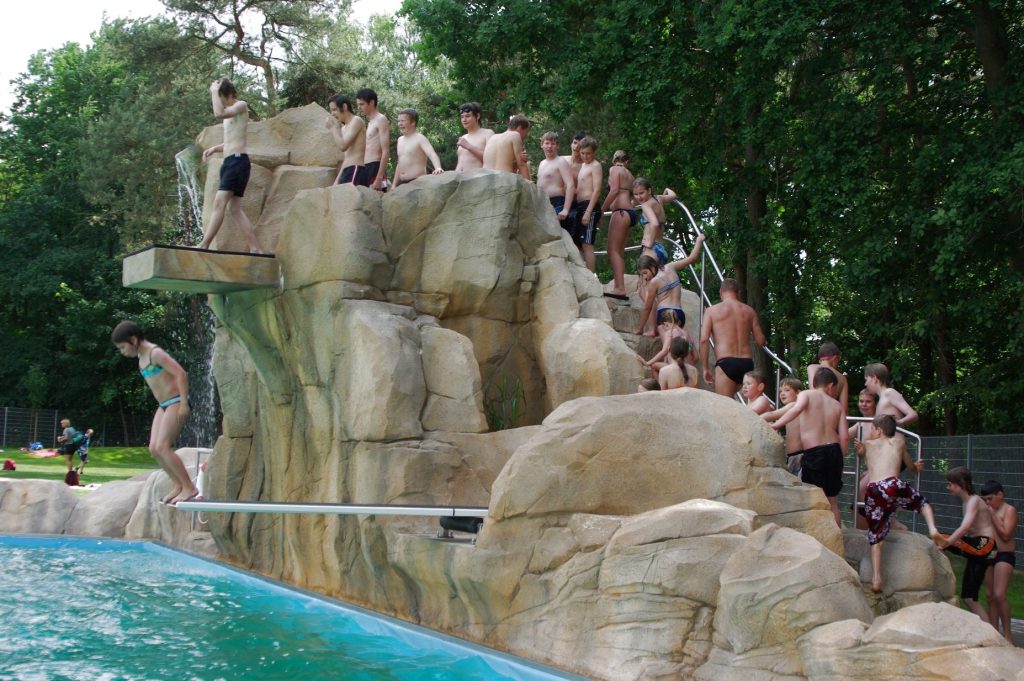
78 608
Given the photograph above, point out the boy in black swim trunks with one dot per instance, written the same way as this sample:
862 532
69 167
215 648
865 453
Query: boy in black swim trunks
234 172
972 540
997 580
823 434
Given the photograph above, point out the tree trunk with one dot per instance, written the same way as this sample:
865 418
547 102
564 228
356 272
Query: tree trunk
947 373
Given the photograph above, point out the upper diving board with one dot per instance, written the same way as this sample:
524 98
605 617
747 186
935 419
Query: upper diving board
192 270
331 509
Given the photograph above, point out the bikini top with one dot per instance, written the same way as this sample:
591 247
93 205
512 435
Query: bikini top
150 369
669 286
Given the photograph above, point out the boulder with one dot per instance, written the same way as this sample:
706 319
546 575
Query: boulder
35 506
105 511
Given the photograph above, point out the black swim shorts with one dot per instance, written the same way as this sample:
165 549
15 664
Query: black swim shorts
352 175
735 367
234 174
585 232
368 174
822 466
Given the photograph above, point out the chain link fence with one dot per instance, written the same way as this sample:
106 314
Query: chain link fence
20 426
989 457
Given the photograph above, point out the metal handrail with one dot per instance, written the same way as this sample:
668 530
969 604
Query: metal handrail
706 256
857 472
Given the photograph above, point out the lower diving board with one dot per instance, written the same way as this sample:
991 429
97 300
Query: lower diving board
331 509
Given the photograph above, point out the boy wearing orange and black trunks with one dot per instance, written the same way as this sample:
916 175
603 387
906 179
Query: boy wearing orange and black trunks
973 539
887 492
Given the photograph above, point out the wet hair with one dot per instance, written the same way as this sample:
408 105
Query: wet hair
519 122
792 382
412 114
879 371
342 102
620 156
588 143
650 384
125 330
646 262
641 182
670 315
825 376
828 349
961 477
553 136
367 95
227 88
729 284
758 376
581 135
471 108
991 487
679 349
870 394
885 423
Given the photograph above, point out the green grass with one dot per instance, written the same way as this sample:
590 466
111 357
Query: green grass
1014 593
105 464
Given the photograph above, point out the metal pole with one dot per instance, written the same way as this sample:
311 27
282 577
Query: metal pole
970 449
5 426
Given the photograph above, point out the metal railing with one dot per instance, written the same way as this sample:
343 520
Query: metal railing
858 470
707 257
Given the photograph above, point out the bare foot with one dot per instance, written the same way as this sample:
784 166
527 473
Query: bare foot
167 497
650 333
256 251
876 585
187 495
204 246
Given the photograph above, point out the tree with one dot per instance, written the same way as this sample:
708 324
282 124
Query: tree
258 33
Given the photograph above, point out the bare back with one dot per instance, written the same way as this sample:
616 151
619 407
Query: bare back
884 456
982 525
620 187
353 136
820 419
502 151
844 388
732 324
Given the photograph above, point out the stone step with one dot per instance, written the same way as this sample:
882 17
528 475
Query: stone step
192 270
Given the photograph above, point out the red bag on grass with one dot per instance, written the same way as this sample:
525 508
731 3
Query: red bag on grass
9 465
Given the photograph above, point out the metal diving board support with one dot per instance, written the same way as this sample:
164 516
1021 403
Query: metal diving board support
331 509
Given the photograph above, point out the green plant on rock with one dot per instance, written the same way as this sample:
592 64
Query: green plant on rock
504 404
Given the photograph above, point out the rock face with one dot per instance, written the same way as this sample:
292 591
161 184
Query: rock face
626 536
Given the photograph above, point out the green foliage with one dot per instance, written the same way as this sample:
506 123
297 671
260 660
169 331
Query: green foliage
859 167
504 404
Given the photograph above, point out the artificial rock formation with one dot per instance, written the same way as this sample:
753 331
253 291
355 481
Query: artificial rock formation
627 536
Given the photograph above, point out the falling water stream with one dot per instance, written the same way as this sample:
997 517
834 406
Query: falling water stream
191 319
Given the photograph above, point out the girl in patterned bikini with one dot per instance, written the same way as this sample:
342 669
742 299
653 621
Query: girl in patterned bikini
169 384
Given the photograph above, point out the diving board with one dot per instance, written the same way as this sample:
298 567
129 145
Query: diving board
331 509
195 270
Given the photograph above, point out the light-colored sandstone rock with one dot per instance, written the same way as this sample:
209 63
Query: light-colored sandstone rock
586 357
35 506
455 397
913 569
105 512
780 585
287 181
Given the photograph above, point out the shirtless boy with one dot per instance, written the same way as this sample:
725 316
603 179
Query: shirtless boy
588 191
470 152
504 151
887 492
554 178
413 150
378 139
573 159
234 172
997 580
972 540
789 389
890 401
823 435
731 324
349 134
828 356
753 392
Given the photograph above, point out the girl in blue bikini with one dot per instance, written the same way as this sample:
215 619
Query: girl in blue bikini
663 285
169 384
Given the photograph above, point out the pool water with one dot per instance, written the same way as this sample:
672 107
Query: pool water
112 610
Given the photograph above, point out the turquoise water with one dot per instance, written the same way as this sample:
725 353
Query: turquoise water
111 610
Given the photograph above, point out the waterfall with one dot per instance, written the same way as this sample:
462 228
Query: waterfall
190 318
